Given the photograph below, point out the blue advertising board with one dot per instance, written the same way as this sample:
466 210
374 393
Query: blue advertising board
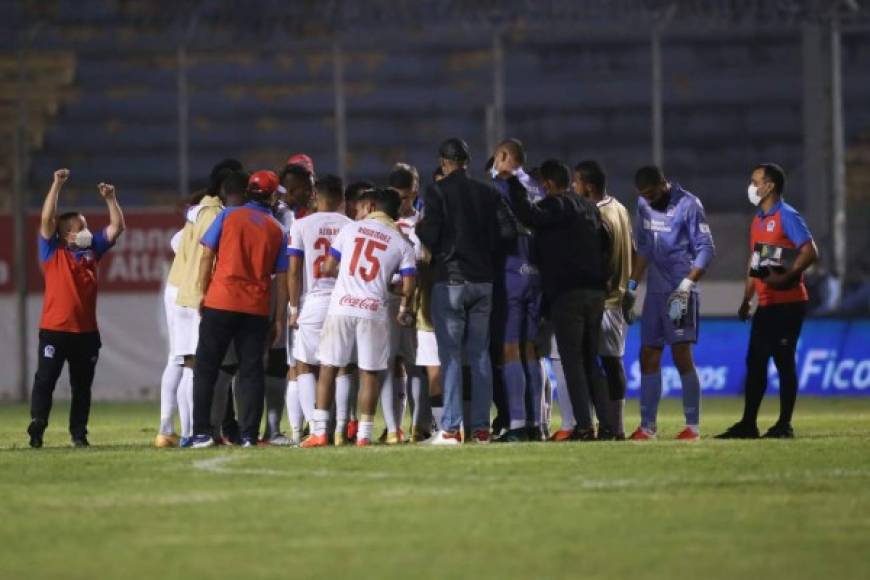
833 358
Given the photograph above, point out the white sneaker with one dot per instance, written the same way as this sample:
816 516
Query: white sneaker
281 440
201 441
441 439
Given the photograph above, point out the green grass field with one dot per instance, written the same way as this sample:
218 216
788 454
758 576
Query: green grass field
713 509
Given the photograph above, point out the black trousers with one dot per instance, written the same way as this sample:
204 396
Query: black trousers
578 326
217 329
81 351
775 332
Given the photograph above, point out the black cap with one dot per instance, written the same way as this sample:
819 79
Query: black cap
454 149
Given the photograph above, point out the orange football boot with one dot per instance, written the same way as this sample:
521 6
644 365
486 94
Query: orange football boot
316 441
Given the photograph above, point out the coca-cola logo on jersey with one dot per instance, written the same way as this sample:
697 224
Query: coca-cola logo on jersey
372 304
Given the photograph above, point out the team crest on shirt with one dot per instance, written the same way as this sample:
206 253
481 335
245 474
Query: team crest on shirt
48 352
771 225
671 211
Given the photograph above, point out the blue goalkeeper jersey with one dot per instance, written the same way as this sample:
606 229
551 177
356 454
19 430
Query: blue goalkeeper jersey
674 240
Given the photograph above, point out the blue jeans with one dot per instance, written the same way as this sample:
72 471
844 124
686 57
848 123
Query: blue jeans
460 313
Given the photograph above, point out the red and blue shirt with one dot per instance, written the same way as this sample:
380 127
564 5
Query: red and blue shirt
251 246
70 302
782 226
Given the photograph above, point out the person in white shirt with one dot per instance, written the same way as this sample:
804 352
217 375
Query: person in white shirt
309 290
364 256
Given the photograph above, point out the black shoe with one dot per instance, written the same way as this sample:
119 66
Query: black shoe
739 430
513 436
780 431
606 434
80 442
535 434
231 433
499 426
583 434
36 429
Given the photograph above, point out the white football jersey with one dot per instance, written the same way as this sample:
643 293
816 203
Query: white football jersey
310 238
370 252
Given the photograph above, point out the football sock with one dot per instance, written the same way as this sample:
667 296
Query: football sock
514 379
691 398
388 403
294 409
275 394
342 402
366 427
307 395
185 402
321 420
535 386
169 396
650 395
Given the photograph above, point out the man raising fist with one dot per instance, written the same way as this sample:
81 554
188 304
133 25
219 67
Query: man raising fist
69 253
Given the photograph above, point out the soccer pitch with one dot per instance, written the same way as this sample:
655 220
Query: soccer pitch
712 509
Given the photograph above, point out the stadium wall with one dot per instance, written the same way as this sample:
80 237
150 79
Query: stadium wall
834 355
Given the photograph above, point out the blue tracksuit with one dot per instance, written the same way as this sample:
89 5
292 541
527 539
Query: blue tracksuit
517 296
673 241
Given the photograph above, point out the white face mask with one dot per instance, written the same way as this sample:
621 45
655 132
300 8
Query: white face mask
84 238
754 198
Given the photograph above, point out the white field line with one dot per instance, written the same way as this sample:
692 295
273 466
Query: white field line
221 465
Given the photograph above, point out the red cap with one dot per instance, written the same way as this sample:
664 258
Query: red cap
302 160
263 182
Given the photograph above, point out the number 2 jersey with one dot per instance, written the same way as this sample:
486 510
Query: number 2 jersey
310 239
369 252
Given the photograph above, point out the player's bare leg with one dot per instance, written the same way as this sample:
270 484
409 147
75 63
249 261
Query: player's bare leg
436 394
369 391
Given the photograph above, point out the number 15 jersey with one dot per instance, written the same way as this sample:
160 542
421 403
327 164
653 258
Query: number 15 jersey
310 239
369 252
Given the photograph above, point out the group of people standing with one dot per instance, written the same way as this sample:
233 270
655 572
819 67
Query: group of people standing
293 291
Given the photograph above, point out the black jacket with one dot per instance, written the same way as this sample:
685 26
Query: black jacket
460 227
571 241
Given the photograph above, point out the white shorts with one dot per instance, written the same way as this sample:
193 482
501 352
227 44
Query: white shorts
170 308
347 337
427 349
306 341
186 331
611 341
